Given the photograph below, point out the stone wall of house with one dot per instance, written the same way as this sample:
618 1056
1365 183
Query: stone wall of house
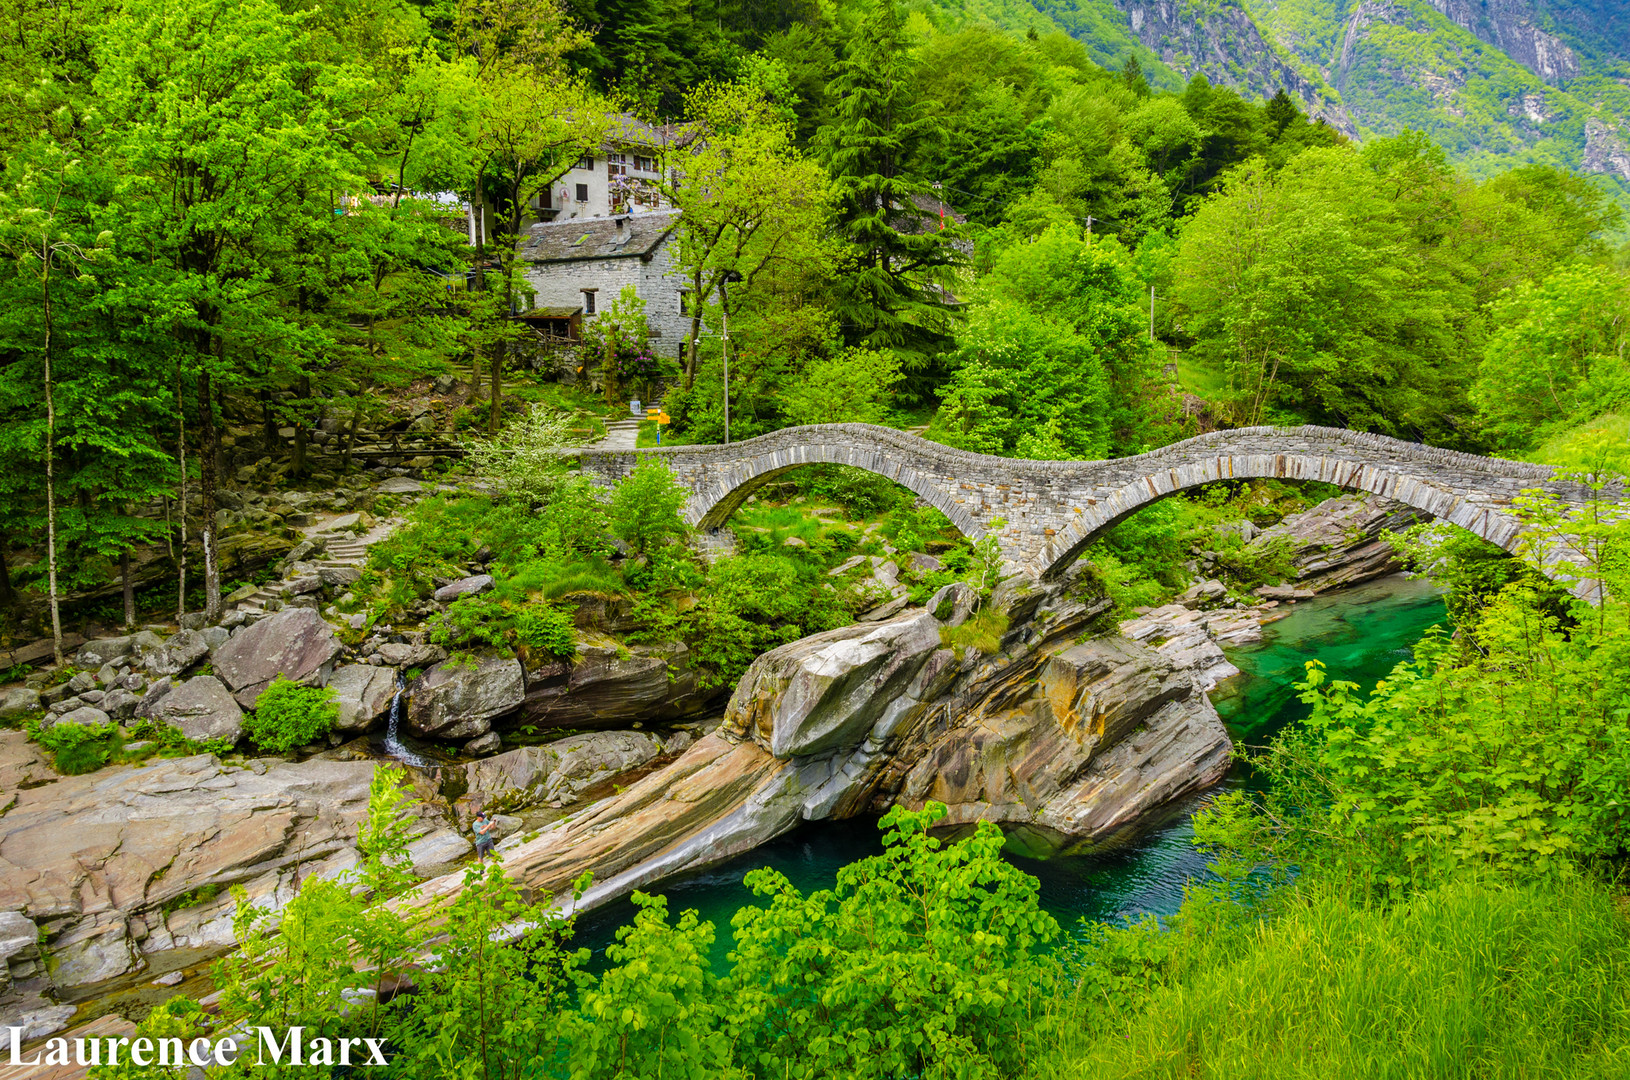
656 280
1050 509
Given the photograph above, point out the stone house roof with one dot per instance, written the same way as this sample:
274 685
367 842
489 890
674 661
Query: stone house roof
596 238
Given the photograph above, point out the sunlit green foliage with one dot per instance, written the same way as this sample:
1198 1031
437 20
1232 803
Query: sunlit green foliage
287 715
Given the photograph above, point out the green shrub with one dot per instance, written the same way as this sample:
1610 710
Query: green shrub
289 715
645 506
77 749
475 621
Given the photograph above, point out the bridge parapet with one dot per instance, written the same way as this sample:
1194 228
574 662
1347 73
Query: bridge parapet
1052 509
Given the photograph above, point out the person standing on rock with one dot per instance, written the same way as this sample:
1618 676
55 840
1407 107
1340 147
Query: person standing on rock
484 825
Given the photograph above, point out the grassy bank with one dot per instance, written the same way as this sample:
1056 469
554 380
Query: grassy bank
1466 980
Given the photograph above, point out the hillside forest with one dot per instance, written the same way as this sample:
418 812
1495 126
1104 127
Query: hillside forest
236 239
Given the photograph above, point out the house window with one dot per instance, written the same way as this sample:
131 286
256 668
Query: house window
588 301
685 302
586 161
645 164
582 193
545 199
617 159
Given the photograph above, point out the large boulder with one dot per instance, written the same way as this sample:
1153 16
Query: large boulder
201 708
84 716
93 654
363 694
827 690
559 771
180 652
19 701
295 644
1338 542
469 586
455 700
610 688
406 654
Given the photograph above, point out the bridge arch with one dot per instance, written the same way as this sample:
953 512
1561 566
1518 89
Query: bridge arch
1491 523
720 495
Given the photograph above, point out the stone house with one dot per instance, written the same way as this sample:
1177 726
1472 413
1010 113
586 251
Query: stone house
623 177
605 225
577 267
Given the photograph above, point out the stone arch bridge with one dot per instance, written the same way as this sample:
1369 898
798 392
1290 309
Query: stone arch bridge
1052 509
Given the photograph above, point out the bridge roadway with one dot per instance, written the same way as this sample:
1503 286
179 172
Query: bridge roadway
1053 509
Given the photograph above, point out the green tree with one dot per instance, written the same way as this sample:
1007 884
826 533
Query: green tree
1557 354
621 337
222 143
853 387
1054 354
751 204
897 253
646 503
1308 290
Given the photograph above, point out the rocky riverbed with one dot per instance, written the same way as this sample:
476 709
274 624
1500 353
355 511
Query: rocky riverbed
1072 723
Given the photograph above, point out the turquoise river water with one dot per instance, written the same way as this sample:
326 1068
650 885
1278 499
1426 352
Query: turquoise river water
1359 633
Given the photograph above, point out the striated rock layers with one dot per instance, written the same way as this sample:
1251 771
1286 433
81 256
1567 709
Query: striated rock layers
1057 731
1338 542
113 866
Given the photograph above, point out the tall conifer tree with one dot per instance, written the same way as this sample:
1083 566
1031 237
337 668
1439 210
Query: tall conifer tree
889 292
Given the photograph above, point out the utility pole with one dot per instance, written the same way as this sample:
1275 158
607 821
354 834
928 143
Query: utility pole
724 342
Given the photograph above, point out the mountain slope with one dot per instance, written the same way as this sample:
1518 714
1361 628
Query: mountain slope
1497 82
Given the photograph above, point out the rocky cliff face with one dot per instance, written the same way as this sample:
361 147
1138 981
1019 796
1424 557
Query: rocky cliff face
1512 27
1223 43
1493 80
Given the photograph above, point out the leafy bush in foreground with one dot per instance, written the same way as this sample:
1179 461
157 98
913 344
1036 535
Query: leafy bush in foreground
289 715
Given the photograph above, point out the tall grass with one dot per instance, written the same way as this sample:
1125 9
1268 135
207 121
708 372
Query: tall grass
1466 981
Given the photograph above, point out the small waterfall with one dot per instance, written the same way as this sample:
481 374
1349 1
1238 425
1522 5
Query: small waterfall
393 739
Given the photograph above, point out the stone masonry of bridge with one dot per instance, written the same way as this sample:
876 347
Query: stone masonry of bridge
1052 509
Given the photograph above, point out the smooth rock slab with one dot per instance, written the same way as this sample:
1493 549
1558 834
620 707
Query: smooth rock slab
561 770
295 644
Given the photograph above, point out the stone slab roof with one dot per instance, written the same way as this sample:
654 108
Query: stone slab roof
596 238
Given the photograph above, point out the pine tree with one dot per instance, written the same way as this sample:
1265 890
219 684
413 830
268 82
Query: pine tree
889 291
1132 75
